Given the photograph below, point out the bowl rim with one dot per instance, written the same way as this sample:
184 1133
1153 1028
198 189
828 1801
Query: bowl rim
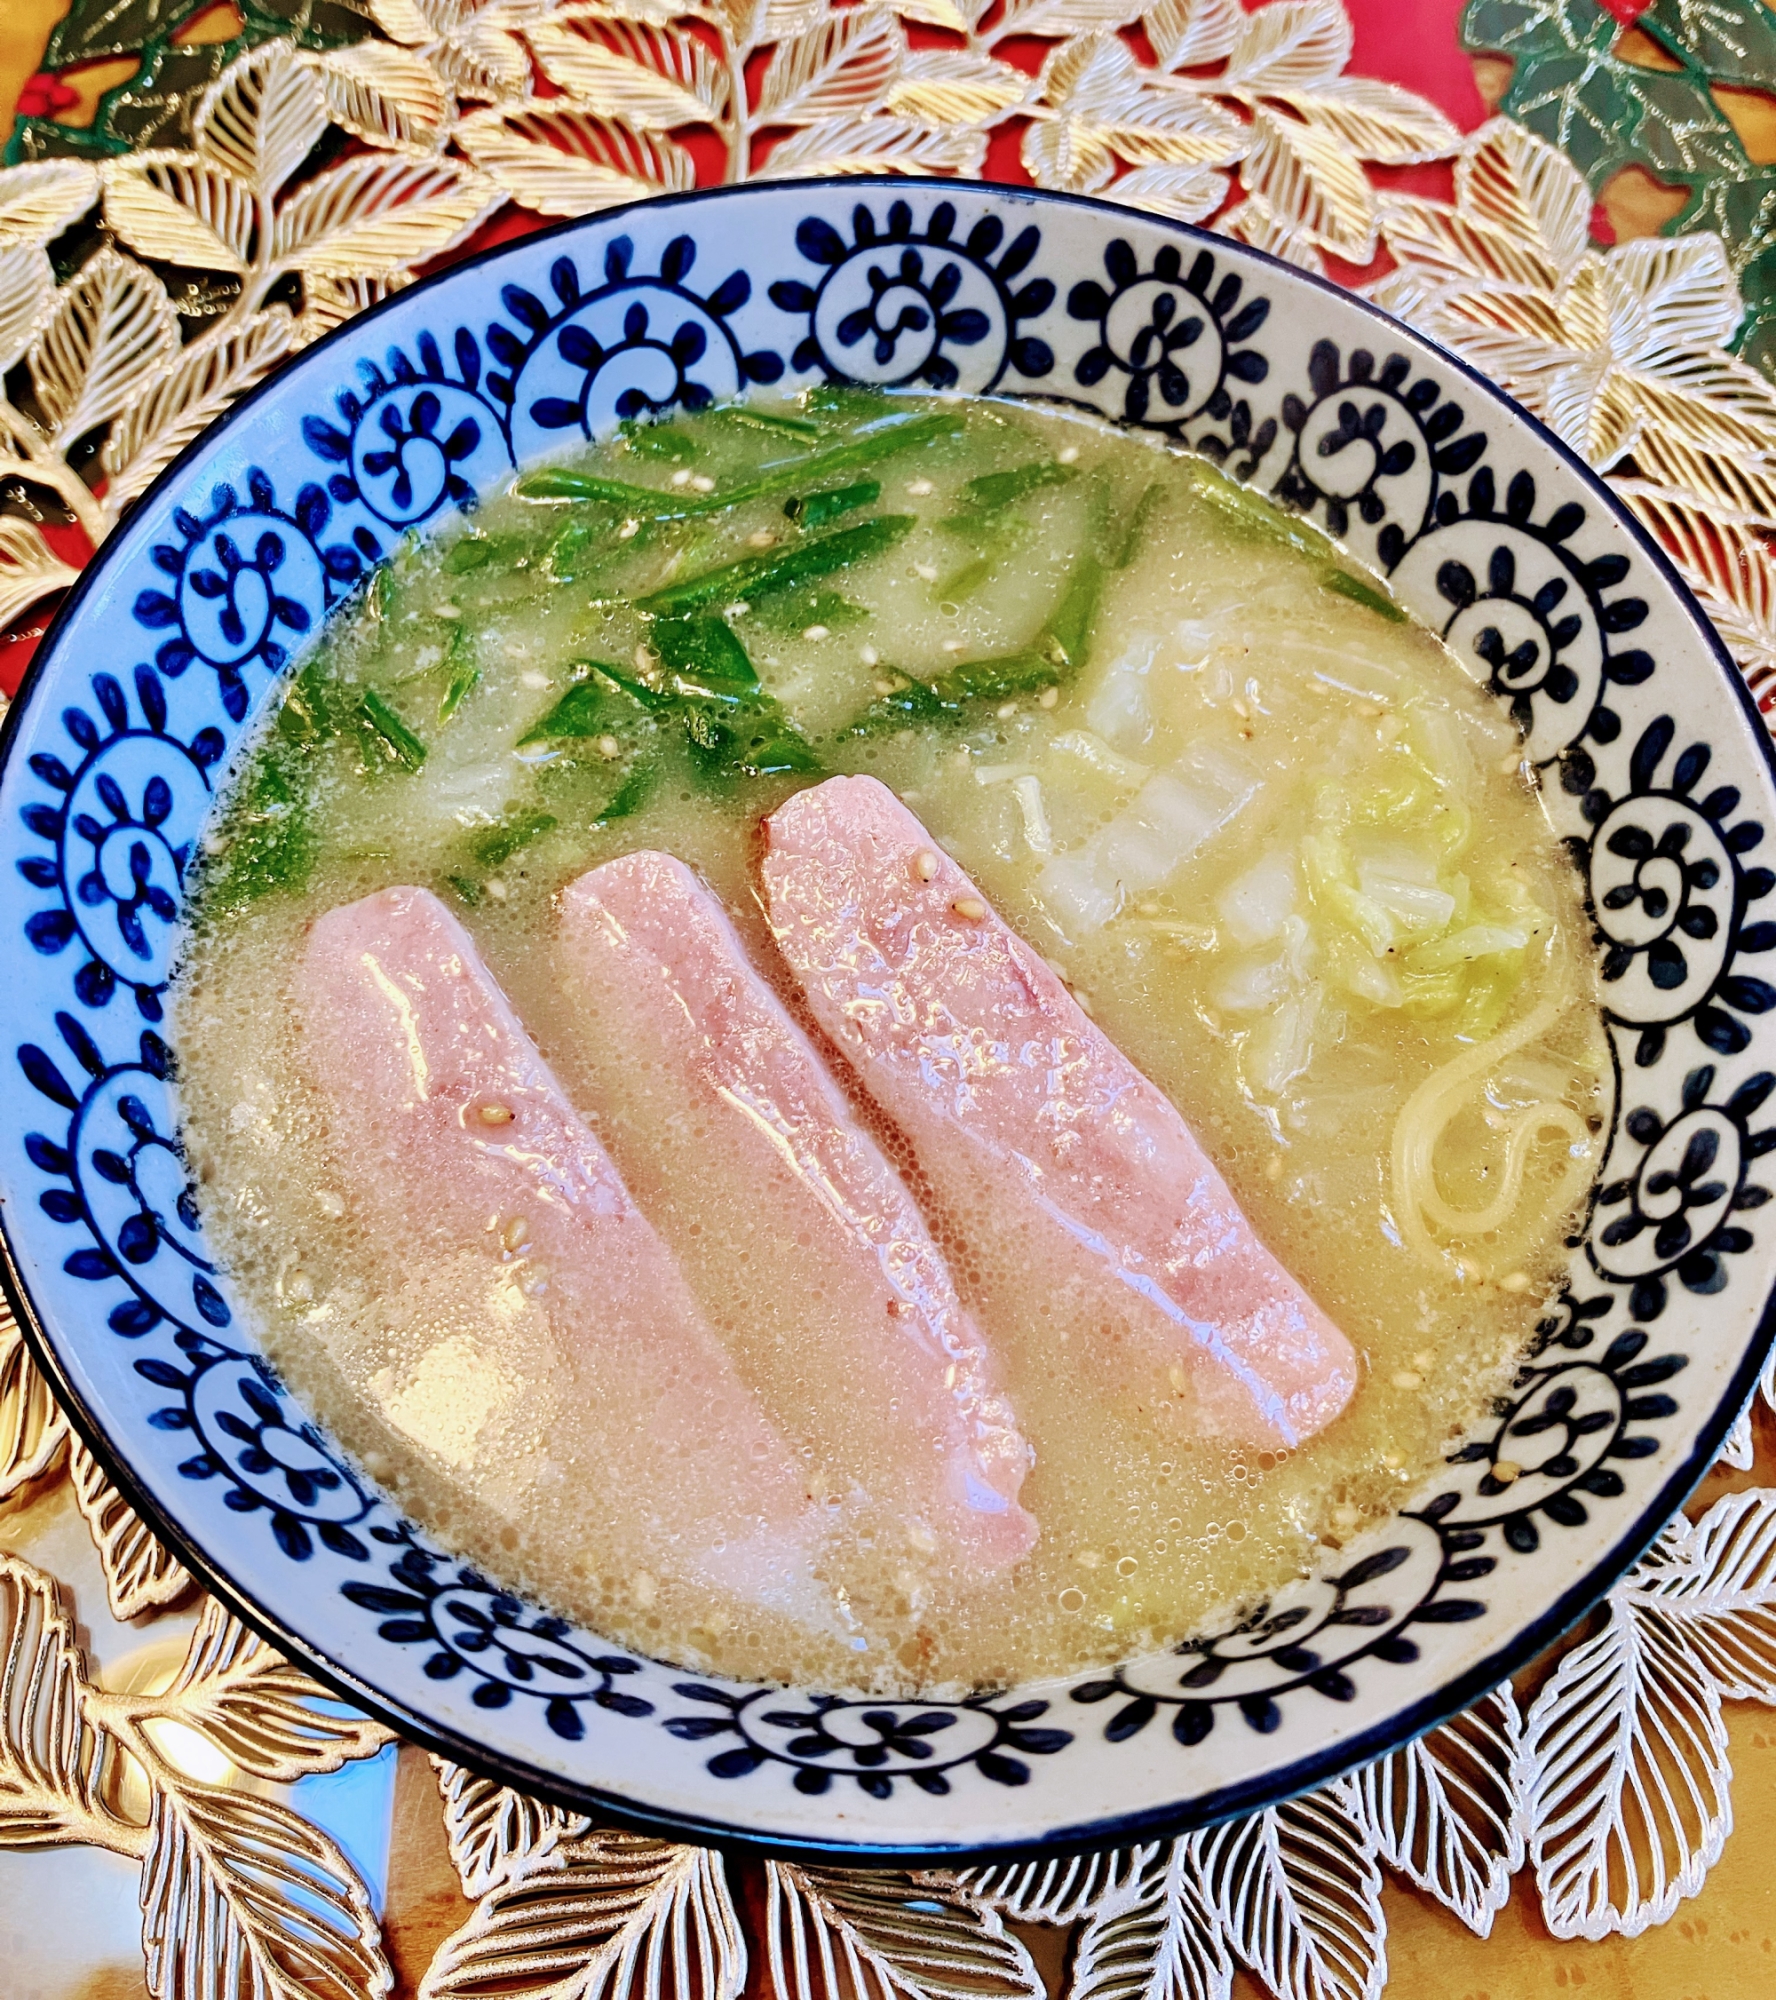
1389 1733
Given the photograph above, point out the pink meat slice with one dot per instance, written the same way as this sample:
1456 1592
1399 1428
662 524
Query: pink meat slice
451 1131
860 1346
1020 1110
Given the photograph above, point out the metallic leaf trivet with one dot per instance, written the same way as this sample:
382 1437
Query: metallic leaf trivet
1612 1785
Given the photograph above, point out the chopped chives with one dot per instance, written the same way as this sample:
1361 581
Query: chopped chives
815 510
495 845
463 683
398 743
1342 584
783 570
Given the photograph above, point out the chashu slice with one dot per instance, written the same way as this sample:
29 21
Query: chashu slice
737 1136
1022 1112
462 1156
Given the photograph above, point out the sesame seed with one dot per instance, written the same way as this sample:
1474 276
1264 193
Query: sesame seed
1506 1471
1048 698
1273 1167
1175 1375
918 488
1146 909
1005 710
644 660
882 684
1345 1517
1511 765
760 538
955 646
1424 1360
868 656
702 483
925 572
924 864
515 1231
643 1588
1242 711
629 527
970 907
496 1114
681 477
497 890
1407 1378
1467 1270
608 746
300 1285
738 609
1393 1460
1369 708
1087 1558
533 680
1514 1281
1069 456
330 1204
816 631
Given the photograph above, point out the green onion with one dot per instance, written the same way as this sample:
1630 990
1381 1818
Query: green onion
568 547
839 399
1242 508
993 492
1069 625
495 845
1342 584
1134 530
778 424
647 440
758 575
796 611
632 794
1001 677
860 454
463 683
815 510
605 701
467 888
305 715
385 728
706 658
271 844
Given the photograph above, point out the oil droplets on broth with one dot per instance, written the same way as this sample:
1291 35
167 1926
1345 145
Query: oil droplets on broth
1275 842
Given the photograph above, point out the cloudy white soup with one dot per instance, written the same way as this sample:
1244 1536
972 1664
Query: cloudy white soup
888 1042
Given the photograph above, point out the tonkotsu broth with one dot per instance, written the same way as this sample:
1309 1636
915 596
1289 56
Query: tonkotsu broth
1274 838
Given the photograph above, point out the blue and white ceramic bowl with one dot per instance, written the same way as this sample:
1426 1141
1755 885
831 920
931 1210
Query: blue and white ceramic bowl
1655 768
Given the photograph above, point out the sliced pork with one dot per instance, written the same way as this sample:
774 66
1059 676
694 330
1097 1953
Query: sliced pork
1027 1120
460 1154
746 1154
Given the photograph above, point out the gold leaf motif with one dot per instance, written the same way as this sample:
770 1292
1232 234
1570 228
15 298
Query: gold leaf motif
1445 246
112 333
27 297
1071 154
244 1900
263 1714
329 301
1378 121
183 208
1061 17
1311 183
1255 222
882 1935
472 47
209 374
380 215
1186 33
601 1919
1147 119
844 67
937 14
495 1832
956 87
39 200
32 1427
651 77
388 97
879 145
55 1766
262 117
1290 45
1512 181
1186 193
559 160
140 1576
1685 287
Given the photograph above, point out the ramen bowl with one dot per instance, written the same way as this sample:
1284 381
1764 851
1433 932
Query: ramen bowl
1654 766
